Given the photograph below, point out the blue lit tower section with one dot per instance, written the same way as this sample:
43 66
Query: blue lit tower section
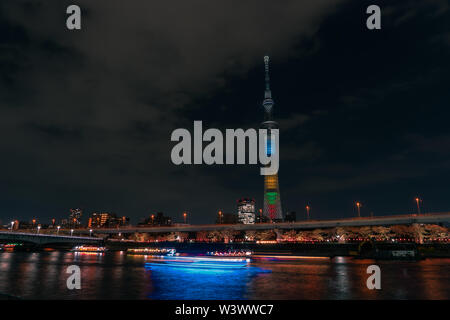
272 202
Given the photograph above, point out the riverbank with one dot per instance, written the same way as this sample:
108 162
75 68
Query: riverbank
364 249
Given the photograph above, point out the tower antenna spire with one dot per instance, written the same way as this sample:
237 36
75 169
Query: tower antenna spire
267 78
268 102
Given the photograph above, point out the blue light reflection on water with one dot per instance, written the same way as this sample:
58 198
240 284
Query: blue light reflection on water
188 283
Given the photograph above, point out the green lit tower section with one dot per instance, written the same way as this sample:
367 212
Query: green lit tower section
272 202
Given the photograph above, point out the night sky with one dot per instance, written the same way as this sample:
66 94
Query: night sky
86 116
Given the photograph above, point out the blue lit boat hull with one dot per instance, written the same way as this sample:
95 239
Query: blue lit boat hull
202 263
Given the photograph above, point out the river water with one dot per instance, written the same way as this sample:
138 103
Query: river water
115 275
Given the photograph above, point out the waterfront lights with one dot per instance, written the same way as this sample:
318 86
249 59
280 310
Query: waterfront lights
12 225
184 217
418 204
358 207
71 232
38 228
57 229
307 212
90 232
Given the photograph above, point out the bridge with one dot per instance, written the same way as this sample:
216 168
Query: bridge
429 218
45 239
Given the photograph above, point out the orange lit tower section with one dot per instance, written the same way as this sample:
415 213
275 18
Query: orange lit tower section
272 202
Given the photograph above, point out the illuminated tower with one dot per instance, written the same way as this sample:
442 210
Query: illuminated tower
272 202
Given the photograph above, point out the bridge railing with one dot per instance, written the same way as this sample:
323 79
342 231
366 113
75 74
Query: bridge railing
46 235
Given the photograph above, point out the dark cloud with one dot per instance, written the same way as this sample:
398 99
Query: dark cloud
86 116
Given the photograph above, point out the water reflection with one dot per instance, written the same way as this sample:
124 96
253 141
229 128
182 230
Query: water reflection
187 283
115 275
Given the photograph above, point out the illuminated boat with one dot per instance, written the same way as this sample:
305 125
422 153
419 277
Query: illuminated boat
152 251
231 253
286 257
92 249
201 262
10 246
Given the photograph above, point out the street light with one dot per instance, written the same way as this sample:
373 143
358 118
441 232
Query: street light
12 225
358 206
184 216
71 232
90 232
153 218
220 217
418 204
307 212
57 231
38 228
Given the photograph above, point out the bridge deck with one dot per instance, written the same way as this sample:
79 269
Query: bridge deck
311 224
45 238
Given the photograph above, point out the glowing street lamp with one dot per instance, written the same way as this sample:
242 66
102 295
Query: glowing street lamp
12 225
71 232
220 217
358 206
90 232
38 228
57 229
307 212
153 218
418 204
184 216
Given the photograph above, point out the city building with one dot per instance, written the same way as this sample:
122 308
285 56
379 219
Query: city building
227 218
75 217
259 217
272 202
246 211
291 216
107 220
115 221
65 223
94 220
157 219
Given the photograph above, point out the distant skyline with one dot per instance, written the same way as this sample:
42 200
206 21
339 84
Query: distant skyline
86 115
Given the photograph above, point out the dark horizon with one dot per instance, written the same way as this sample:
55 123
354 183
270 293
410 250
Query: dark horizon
87 115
